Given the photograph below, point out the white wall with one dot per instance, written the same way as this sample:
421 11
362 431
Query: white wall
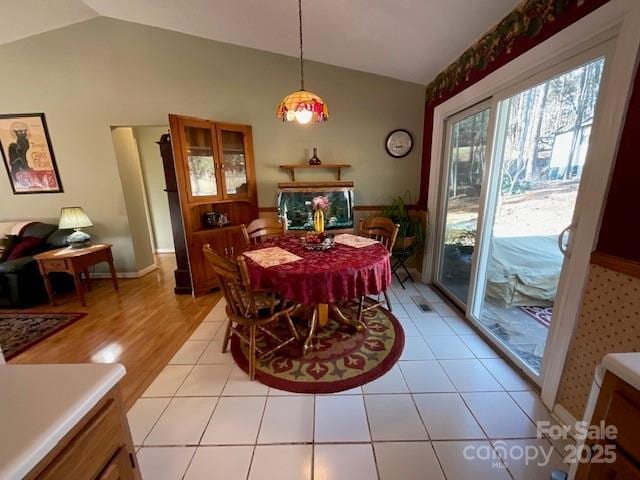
101 73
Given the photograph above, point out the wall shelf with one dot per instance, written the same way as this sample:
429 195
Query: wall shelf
325 166
315 185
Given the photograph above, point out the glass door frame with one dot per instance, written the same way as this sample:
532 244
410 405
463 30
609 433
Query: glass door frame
490 186
444 193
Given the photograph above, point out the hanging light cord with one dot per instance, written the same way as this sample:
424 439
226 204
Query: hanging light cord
301 55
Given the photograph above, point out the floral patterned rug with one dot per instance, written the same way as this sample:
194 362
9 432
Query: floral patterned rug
19 331
340 358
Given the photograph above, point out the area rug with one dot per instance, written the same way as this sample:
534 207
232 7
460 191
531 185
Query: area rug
541 314
19 331
340 359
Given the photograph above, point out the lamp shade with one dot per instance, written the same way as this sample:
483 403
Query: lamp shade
74 217
303 107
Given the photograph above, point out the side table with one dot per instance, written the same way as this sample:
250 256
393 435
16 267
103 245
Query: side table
76 262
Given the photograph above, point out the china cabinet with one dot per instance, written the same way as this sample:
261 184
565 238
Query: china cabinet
214 172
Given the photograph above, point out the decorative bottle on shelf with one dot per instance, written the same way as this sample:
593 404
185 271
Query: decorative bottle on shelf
314 160
318 221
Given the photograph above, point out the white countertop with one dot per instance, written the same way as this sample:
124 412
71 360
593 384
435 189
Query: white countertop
40 404
625 366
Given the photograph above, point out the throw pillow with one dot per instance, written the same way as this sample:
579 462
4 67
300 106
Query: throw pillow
8 242
26 246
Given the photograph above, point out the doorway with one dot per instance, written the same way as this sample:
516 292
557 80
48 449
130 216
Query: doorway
513 167
143 187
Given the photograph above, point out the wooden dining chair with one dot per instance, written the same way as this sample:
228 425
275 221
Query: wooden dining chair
386 232
262 228
381 229
248 310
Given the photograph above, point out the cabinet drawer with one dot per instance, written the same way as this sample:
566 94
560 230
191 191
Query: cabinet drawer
55 265
91 449
119 468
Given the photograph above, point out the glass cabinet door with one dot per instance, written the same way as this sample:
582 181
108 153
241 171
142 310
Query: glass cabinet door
201 162
235 178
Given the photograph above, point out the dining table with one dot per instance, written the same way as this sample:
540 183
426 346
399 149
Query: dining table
320 280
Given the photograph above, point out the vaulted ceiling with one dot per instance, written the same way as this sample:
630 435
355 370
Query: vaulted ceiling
406 39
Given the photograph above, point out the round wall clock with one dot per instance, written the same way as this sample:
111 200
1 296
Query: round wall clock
399 143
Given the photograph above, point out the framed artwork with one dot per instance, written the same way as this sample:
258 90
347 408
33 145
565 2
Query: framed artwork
27 154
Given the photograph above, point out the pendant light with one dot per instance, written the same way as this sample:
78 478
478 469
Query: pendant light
302 106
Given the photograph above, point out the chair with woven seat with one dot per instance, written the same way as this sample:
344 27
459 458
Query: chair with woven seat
249 310
385 231
262 228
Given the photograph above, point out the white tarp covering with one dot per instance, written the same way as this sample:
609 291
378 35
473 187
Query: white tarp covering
524 271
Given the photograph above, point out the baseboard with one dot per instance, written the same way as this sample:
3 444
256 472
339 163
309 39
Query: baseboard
149 269
165 250
138 274
565 417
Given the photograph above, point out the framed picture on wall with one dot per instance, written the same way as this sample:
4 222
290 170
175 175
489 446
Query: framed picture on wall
27 154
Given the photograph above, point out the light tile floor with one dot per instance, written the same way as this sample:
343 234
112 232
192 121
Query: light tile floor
450 409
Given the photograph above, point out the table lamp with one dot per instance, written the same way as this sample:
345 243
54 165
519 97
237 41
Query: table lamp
74 217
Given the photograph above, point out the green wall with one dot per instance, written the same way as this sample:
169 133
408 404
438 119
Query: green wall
153 174
102 73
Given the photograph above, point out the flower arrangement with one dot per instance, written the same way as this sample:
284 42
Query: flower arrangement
320 203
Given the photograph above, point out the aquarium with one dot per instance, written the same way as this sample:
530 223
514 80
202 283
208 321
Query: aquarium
294 207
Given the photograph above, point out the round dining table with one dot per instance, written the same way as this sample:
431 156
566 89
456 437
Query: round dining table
319 279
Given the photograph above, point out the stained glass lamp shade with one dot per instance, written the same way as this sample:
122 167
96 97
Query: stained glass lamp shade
304 107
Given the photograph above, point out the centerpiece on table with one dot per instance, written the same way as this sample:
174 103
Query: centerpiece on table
318 239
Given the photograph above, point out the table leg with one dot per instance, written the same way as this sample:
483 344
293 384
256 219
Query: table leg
112 269
49 288
79 289
313 324
346 320
87 278
323 314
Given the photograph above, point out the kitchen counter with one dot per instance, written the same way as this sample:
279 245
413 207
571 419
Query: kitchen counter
625 366
40 404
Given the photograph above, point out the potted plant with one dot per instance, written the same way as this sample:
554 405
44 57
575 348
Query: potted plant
411 231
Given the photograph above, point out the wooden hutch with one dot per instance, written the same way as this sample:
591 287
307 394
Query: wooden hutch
212 169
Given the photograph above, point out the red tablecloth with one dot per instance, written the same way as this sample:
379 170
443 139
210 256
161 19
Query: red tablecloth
341 273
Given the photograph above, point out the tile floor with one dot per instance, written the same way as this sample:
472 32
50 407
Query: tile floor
450 392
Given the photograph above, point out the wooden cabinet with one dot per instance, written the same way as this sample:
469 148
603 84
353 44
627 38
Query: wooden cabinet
214 171
618 405
99 446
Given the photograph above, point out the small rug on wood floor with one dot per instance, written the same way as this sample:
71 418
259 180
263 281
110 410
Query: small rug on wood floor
541 314
339 360
19 331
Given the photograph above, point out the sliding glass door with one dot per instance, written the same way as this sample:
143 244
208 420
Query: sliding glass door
462 181
513 169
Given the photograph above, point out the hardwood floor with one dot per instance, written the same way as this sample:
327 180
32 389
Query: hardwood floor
140 326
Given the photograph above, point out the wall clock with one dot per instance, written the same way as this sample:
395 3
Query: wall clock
399 143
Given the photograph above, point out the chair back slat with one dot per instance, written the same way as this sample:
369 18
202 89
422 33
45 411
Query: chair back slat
381 229
234 282
262 229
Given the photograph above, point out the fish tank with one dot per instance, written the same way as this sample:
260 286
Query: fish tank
294 207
